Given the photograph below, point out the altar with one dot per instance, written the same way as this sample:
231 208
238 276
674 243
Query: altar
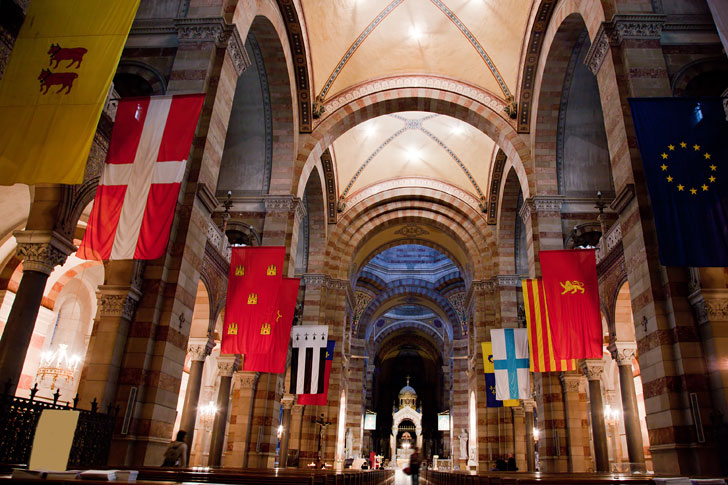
406 426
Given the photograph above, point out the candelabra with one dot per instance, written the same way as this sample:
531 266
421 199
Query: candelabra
58 363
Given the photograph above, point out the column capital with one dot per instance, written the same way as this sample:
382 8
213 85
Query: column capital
540 203
227 365
214 29
118 301
508 280
247 379
285 203
288 400
623 352
199 348
42 251
486 286
297 409
571 382
592 368
529 405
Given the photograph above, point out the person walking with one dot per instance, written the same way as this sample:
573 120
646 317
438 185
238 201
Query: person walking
414 466
176 453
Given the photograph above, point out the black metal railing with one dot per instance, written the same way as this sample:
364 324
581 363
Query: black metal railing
19 418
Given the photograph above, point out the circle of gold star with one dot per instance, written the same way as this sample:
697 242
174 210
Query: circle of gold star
665 159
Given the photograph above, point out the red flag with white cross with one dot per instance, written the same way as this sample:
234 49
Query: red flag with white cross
145 164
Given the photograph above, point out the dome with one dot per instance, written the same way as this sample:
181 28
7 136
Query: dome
407 391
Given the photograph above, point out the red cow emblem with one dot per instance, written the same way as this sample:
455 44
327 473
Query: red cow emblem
59 54
64 79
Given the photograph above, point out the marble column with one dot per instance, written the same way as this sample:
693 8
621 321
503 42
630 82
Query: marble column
198 348
287 403
593 369
226 366
250 381
624 353
528 406
41 251
577 436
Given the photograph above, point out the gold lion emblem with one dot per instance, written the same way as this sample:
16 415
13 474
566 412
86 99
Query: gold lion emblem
572 286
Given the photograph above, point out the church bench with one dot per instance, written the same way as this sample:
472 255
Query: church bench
432 477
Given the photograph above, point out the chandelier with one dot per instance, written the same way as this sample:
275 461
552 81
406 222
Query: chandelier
57 364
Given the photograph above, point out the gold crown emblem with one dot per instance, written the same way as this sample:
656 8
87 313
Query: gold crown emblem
265 329
271 270
252 299
240 271
232 328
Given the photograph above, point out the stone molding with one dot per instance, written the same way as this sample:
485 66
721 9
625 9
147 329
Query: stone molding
286 203
529 405
227 365
570 382
42 251
297 409
199 348
623 352
118 301
486 286
717 309
288 400
623 198
247 379
214 29
621 27
207 198
509 280
540 203
592 368
317 281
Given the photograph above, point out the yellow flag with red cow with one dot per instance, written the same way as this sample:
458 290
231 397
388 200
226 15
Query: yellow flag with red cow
54 87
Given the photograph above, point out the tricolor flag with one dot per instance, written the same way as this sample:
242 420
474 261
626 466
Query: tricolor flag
134 205
320 398
266 351
572 292
254 283
540 344
54 87
308 358
489 370
510 362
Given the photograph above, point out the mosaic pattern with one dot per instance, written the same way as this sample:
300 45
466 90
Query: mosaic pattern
362 37
476 45
362 300
457 301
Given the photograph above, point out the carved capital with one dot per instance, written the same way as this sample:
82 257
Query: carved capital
236 51
247 379
592 368
285 203
199 348
297 409
570 382
623 352
227 365
508 280
42 251
288 400
214 29
540 203
118 301
317 281
529 405
621 27
486 286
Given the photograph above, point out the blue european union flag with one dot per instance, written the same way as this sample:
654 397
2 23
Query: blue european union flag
684 146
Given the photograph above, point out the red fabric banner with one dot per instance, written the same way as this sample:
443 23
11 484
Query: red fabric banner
253 285
135 201
268 348
572 294
320 399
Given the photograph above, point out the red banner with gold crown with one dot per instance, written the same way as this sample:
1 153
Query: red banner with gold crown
267 349
572 296
253 284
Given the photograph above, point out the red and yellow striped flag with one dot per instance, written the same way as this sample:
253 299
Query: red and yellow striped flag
540 345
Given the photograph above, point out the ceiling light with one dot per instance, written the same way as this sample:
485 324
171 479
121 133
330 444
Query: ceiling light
369 130
457 129
415 32
413 153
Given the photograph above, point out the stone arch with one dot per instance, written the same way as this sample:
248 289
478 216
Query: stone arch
714 66
136 78
431 99
418 326
508 219
622 321
314 224
203 320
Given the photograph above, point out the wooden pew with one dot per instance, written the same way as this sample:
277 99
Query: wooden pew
433 477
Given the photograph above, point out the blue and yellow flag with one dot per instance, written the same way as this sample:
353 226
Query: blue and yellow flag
54 87
489 370
685 157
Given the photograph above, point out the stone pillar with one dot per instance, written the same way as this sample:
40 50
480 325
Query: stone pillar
593 369
41 251
576 425
296 429
238 435
520 436
287 403
117 300
198 350
624 353
528 406
460 412
226 366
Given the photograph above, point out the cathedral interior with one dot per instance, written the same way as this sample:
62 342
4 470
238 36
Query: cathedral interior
413 157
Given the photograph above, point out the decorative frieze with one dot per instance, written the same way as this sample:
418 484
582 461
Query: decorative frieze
486 286
623 352
621 27
540 203
42 251
509 280
286 203
214 29
318 281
